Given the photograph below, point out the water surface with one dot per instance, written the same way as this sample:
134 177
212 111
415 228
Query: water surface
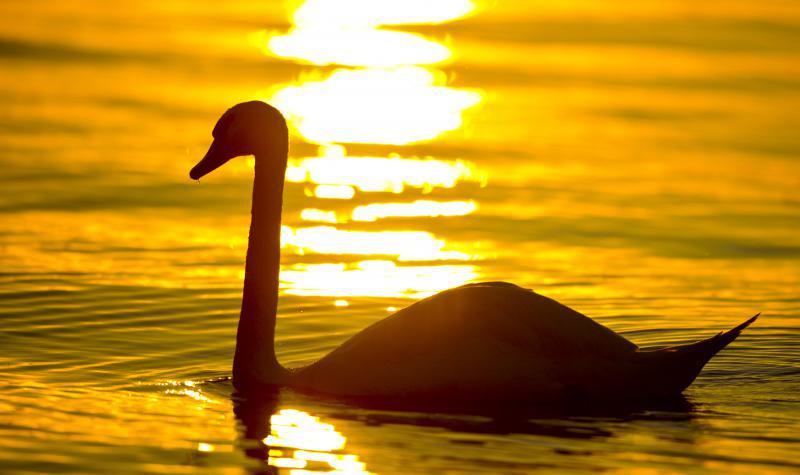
639 164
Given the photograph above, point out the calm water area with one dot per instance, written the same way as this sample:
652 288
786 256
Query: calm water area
637 161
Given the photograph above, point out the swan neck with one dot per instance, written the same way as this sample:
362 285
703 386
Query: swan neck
255 361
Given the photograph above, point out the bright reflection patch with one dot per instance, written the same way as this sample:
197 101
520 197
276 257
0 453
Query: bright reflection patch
205 447
347 32
183 388
373 278
358 47
295 429
386 95
334 192
370 13
419 208
404 245
318 215
381 174
379 106
297 438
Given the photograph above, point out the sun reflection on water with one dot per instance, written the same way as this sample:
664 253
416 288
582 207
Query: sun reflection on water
302 442
382 174
385 91
373 13
347 32
394 106
404 245
375 211
296 440
189 389
334 192
319 216
419 208
373 278
323 46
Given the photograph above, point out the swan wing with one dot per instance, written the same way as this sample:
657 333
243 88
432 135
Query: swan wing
492 338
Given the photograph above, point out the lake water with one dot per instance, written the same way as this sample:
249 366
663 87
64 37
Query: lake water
637 162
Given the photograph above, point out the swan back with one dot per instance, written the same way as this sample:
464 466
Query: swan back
489 340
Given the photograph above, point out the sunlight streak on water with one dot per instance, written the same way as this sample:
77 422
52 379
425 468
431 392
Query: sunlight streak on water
334 192
376 99
348 32
318 216
307 439
420 208
375 211
382 174
342 46
187 388
373 13
299 430
378 106
405 245
373 278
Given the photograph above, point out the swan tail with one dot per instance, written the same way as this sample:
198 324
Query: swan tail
669 371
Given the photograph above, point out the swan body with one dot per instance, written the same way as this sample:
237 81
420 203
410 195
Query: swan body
480 341
485 341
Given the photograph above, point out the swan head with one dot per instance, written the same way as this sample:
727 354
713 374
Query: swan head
249 128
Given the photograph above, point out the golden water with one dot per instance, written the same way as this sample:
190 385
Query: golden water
637 162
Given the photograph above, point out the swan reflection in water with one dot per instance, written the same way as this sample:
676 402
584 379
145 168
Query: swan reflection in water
282 429
291 438
290 432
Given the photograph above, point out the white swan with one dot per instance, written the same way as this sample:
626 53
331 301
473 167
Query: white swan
487 341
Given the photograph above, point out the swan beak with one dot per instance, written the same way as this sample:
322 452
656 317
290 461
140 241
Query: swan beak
214 158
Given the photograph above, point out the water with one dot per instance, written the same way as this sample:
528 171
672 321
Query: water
638 164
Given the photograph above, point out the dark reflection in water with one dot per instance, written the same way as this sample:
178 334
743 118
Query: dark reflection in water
503 419
254 415
573 421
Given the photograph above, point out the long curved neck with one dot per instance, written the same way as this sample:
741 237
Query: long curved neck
254 362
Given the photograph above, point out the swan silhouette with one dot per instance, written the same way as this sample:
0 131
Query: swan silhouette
484 341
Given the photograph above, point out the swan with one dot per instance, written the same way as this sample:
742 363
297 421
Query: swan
477 342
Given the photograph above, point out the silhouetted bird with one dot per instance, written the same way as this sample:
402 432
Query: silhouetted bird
485 341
